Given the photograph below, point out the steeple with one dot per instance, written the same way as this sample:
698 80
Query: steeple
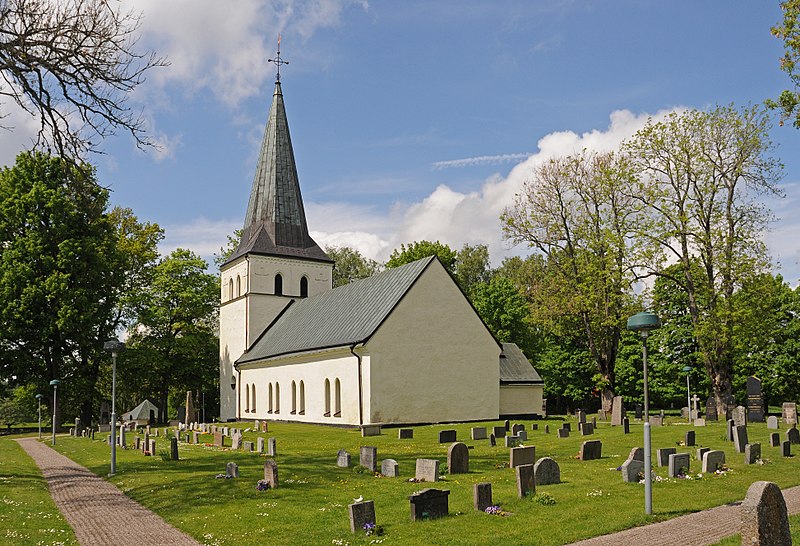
275 223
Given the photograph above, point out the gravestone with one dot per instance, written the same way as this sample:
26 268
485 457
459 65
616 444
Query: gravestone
632 469
122 438
389 468
447 436
772 422
515 430
478 433
547 429
369 458
260 444
774 439
662 455
232 470
146 443
512 441
752 453
685 412
764 517
482 496
458 458
739 416
526 480
590 450
740 438
689 438
581 416
755 400
702 451
492 441
521 455
587 429
713 460
786 448
793 435
219 439
173 449
601 414
711 409
594 423
427 470
534 426
729 433
626 425
152 447
507 425
271 473
638 411
343 459
429 504
678 465
699 422
617 411
789 412
137 444
226 431
181 414
522 435
499 432
656 420
566 426
637 454
272 447
405 433
361 514
546 471
370 430
563 433
236 440
195 437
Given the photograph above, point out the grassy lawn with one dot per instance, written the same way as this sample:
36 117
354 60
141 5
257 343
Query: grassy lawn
310 505
27 512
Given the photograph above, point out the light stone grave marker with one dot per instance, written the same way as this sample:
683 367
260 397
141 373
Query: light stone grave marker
369 458
427 470
271 473
547 471
389 468
521 455
343 459
713 460
772 422
764 517
232 470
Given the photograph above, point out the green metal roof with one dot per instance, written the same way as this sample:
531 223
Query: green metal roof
515 367
343 316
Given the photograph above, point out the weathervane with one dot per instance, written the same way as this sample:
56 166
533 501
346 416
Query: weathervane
278 61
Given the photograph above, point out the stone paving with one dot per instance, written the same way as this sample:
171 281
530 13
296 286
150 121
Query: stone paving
99 513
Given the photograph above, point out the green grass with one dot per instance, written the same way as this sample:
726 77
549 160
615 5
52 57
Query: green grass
27 512
310 506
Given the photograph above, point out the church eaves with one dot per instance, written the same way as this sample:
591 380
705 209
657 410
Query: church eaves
275 223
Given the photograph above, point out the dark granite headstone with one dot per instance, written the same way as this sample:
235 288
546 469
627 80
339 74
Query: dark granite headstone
492 440
447 436
499 432
702 451
713 460
405 433
626 425
482 496
526 480
429 504
458 458
786 448
521 455
678 465
639 411
361 514
740 438
662 455
591 449
173 449
793 435
752 453
478 433
689 438
775 439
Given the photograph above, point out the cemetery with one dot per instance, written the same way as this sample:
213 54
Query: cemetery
321 481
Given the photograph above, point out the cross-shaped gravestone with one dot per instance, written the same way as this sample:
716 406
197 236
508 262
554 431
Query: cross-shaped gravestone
695 404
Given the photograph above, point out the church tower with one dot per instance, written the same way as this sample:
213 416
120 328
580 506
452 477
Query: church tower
276 260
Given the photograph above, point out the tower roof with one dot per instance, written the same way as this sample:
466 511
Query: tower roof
275 223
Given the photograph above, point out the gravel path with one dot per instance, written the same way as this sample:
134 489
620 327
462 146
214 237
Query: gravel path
99 513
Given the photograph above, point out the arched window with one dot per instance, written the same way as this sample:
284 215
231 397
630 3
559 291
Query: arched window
230 289
278 285
238 286
253 398
337 400
247 398
269 398
304 287
327 398
302 398
294 397
277 398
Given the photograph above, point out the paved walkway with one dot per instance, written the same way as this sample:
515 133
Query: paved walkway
99 513
698 529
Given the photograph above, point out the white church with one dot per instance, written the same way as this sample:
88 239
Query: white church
402 347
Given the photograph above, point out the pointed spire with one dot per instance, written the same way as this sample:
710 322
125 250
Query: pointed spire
275 223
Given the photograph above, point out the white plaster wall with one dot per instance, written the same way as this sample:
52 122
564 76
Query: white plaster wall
432 360
312 369
519 399
264 269
232 327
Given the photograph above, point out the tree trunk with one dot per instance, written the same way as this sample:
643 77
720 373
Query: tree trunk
162 406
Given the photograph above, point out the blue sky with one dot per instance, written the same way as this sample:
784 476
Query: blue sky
420 119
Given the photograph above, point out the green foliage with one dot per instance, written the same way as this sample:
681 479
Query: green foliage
506 312
472 267
567 370
788 102
20 406
422 249
350 265
230 247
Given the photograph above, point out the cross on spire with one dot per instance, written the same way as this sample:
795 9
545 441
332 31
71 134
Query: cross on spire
278 61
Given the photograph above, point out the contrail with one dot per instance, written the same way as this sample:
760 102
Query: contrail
480 160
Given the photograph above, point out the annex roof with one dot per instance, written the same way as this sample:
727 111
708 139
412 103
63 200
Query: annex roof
515 367
343 316
142 411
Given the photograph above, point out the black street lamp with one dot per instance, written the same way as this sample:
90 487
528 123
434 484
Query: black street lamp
54 383
643 323
115 347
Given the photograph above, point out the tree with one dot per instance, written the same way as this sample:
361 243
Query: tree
72 65
230 247
701 172
173 343
350 265
577 212
788 102
19 406
472 266
506 312
422 249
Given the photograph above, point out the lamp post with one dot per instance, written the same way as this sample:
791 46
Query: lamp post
688 369
115 347
39 398
54 383
643 323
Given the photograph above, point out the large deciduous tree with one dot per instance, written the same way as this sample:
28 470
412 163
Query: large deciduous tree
350 265
422 249
788 30
578 213
700 175
72 64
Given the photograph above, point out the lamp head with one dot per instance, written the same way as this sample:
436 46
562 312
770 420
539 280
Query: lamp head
55 383
114 346
644 322
39 396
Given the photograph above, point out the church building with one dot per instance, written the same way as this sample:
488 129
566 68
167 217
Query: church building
402 347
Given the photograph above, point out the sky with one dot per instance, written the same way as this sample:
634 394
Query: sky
421 119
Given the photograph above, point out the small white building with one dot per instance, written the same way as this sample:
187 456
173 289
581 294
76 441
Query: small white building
404 346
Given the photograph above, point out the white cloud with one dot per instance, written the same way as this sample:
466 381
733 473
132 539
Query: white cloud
202 236
18 131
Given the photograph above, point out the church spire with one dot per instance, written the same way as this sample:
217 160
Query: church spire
275 223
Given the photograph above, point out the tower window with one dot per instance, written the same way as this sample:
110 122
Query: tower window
238 286
278 285
230 289
337 400
304 287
